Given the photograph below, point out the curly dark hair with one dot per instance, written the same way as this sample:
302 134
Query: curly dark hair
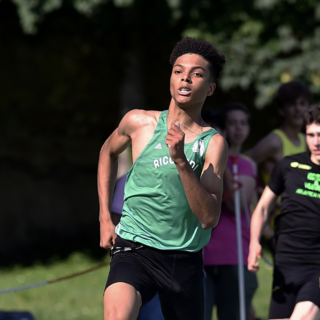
312 115
204 49
231 106
291 91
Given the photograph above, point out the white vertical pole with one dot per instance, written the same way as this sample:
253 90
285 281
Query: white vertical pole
239 238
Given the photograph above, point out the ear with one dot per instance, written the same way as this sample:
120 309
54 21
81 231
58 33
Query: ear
212 87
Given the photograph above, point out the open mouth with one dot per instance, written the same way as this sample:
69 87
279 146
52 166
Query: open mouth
184 91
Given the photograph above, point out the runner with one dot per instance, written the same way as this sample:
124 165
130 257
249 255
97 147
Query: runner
296 292
172 193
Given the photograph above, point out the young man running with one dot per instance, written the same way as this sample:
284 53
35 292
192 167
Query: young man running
172 194
296 291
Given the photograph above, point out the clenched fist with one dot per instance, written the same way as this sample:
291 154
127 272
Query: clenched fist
175 142
107 235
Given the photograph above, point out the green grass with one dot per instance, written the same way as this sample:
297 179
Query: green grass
81 297
78 298
261 299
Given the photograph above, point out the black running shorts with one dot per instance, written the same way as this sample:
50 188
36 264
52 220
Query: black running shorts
176 275
293 284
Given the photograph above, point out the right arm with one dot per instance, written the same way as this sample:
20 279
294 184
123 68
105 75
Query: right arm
258 221
107 173
265 149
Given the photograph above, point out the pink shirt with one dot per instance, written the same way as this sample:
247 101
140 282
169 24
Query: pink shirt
222 247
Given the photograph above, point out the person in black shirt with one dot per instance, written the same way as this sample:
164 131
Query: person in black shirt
296 278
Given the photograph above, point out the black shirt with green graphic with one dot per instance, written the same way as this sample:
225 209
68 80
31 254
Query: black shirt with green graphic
297 228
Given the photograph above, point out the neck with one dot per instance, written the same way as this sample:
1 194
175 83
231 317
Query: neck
188 116
315 160
290 132
234 149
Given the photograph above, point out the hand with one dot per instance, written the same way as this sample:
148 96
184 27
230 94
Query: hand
255 252
107 235
175 142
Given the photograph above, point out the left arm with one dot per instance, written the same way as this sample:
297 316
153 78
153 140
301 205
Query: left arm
204 195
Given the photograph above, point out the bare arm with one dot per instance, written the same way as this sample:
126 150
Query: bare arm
265 149
204 195
258 221
107 173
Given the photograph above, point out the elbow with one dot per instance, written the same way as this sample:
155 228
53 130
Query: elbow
211 222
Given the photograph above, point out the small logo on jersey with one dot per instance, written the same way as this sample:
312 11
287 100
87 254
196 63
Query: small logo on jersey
300 166
158 146
198 147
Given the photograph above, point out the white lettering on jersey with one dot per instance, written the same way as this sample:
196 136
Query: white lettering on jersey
164 161
156 163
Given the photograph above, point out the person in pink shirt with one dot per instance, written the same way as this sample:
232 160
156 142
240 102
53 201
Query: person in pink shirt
220 255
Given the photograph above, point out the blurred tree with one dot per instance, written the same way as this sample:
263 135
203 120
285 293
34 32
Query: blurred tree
70 68
266 42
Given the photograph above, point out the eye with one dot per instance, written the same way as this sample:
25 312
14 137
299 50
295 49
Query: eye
197 74
177 71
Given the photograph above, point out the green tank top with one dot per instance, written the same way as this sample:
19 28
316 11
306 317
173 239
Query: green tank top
156 211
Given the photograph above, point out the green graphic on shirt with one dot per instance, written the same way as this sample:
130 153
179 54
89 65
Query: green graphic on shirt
312 189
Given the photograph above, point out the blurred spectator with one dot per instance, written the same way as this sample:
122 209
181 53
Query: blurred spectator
293 100
220 255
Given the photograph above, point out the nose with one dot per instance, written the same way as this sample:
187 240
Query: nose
187 79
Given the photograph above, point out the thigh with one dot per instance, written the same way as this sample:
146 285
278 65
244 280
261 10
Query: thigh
130 302
126 267
184 299
305 310
310 291
284 293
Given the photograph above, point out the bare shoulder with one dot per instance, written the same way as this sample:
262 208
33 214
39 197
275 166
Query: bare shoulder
273 140
267 147
217 153
142 116
138 119
218 142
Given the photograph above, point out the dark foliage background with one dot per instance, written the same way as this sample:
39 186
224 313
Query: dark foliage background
70 69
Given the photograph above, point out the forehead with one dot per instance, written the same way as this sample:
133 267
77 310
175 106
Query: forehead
299 99
192 60
313 128
237 114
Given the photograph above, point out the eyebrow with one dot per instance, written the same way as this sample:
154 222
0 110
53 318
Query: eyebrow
193 68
